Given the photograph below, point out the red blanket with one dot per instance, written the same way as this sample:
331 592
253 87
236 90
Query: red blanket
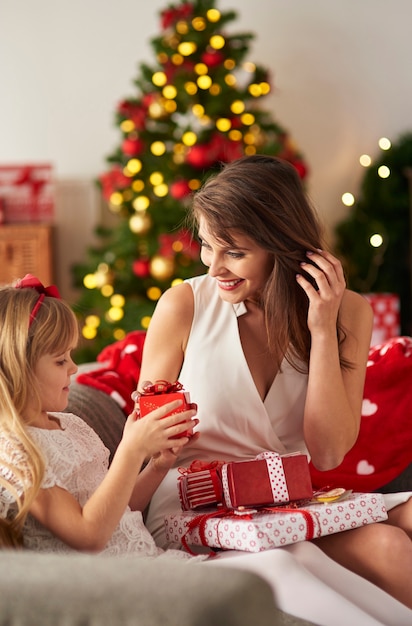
384 446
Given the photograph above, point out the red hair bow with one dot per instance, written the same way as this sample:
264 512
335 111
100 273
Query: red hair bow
31 282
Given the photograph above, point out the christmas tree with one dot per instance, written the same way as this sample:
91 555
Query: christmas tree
374 241
196 106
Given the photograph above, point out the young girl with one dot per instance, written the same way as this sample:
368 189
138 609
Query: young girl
56 490
273 348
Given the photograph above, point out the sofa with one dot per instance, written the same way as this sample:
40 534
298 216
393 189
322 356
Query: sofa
82 590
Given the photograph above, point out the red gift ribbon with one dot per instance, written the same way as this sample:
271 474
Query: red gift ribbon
161 386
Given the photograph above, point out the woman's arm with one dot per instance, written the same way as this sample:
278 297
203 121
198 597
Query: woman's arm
334 397
167 336
90 527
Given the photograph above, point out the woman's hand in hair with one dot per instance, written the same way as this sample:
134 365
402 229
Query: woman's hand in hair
325 291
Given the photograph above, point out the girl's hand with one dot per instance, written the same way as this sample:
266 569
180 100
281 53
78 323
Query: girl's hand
165 459
326 296
158 431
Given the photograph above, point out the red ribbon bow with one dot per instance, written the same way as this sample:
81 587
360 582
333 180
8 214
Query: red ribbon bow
161 386
31 282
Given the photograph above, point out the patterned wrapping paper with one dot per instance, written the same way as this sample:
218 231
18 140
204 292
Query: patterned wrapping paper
255 531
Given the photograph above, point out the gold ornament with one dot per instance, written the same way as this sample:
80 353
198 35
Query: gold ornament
161 267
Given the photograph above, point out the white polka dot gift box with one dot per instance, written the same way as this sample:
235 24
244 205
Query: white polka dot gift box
255 531
268 479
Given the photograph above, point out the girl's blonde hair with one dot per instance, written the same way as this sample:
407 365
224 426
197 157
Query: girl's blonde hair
52 331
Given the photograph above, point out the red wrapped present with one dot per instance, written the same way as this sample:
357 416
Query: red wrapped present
386 316
163 392
26 193
200 485
255 531
268 479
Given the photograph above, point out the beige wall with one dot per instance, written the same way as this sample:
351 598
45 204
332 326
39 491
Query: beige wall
340 70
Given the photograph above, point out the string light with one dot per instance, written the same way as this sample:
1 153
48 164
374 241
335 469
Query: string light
384 143
376 240
348 199
384 171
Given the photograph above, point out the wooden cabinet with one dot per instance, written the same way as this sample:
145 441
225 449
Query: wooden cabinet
26 249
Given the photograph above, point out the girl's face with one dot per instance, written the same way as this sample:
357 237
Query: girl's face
53 373
241 271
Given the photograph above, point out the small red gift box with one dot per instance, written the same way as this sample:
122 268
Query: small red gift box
163 392
255 531
200 485
271 478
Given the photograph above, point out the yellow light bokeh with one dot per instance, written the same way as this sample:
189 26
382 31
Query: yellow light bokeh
247 119
230 80
384 143
127 126
204 82
189 138
141 203
213 15
376 240
134 166
90 281
117 300
201 69
153 293
114 314
116 199
191 88
198 110
159 79
145 321
161 191
92 320
384 171
199 23
223 124
348 199
365 160
237 107
217 42
215 89
89 332
186 48
107 291
169 92
158 148
182 27
156 178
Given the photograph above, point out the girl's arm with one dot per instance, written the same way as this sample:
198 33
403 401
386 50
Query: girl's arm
167 335
90 527
334 397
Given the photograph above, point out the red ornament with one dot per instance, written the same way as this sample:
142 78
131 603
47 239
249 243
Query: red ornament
112 181
213 58
134 111
201 155
180 189
132 147
301 168
173 15
140 268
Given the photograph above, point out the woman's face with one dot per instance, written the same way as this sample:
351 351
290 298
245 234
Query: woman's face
241 271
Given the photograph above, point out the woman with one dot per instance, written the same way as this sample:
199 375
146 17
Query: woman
273 349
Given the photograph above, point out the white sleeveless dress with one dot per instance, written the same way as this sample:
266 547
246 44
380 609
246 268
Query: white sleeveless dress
235 424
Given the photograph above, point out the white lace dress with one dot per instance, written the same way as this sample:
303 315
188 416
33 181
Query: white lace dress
77 460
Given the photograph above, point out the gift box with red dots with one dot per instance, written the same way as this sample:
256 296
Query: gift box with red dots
255 531
386 316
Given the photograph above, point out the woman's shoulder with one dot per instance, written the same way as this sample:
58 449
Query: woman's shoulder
356 313
353 302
